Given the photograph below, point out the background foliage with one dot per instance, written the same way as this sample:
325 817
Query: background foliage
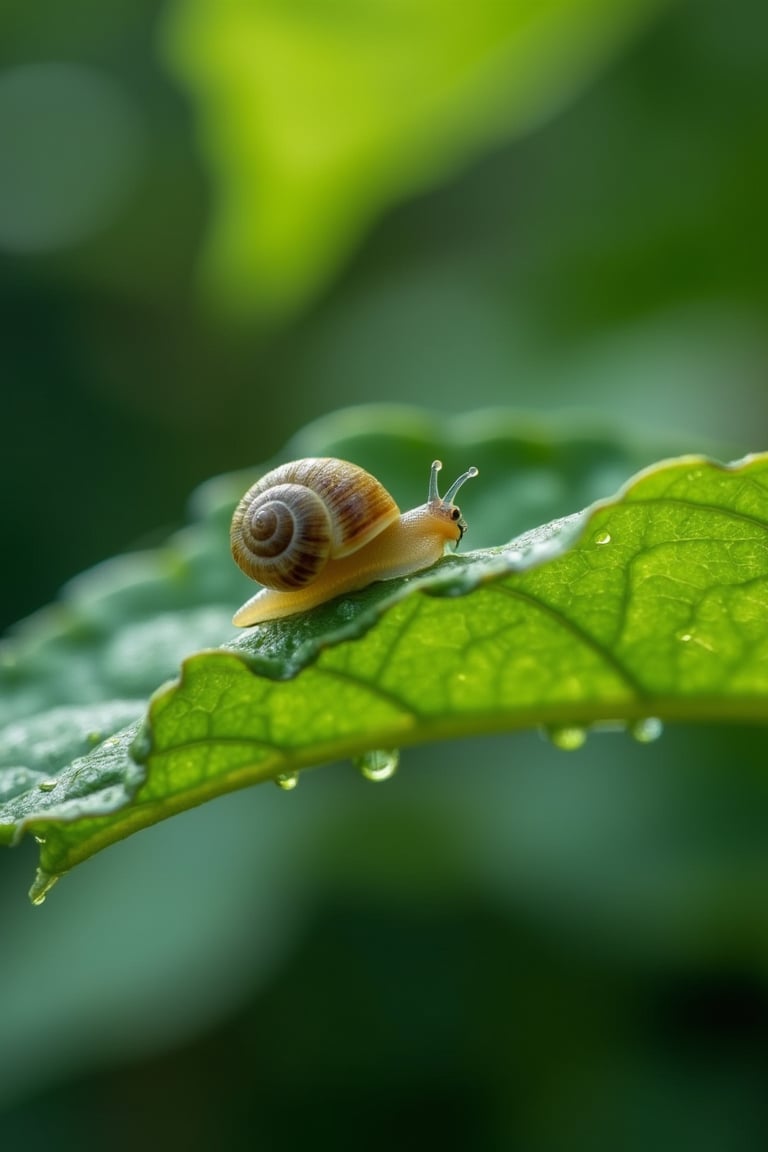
518 948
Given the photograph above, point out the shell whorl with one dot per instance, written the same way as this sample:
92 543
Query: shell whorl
296 517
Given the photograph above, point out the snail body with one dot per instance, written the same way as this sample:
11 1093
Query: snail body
314 529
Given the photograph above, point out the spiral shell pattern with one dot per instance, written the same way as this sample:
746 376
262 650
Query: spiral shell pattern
292 520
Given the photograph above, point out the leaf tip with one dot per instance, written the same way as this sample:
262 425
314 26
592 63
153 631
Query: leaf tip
42 885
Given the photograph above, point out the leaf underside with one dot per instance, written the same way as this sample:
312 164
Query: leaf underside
651 604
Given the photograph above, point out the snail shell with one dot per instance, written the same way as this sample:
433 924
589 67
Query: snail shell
293 520
316 528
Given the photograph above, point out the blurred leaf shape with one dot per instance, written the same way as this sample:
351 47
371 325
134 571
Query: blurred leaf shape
315 118
649 605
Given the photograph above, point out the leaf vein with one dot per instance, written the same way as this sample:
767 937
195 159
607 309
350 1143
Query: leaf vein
579 633
695 506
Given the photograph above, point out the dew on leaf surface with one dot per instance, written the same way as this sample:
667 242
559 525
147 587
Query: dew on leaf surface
567 737
287 781
380 764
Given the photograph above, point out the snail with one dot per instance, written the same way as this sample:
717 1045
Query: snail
316 528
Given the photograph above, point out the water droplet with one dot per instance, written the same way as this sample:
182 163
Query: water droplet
47 785
647 730
602 537
346 609
44 881
378 765
40 839
567 737
287 781
685 637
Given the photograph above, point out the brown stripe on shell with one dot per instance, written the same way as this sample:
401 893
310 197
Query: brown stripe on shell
300 546
269 528
341 507
359 505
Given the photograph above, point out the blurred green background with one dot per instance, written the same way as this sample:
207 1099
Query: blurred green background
221 220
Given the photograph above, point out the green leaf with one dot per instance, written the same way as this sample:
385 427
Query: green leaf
650 605
316 118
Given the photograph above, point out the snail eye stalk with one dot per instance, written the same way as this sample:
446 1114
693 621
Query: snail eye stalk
468 475
434 496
